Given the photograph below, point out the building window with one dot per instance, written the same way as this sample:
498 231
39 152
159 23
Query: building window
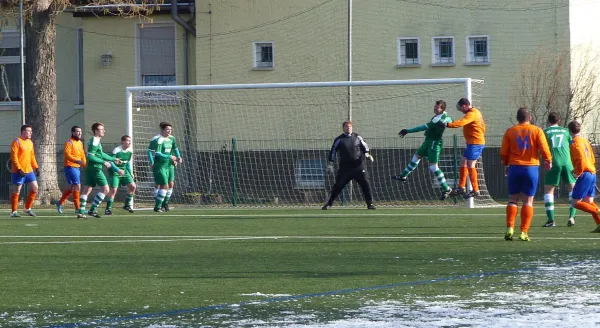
10 67
443 50
408 52
157 55
80 90
263 55
478 49
310 174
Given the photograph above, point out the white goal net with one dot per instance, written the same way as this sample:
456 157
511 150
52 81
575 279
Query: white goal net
267 144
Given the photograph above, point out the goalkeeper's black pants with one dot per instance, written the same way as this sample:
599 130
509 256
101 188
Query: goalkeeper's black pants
347 174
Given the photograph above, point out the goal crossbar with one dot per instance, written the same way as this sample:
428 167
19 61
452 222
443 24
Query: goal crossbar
465 81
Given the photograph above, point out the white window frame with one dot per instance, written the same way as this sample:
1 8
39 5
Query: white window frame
11 105
255 52
403 62
470 50
138 69
437 62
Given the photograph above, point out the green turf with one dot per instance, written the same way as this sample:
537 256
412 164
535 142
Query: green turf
79 270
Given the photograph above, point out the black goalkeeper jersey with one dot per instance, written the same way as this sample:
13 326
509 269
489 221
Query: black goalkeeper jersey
351 148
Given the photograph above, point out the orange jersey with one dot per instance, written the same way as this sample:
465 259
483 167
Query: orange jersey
22 156
73 152
582 156
474 127
521 144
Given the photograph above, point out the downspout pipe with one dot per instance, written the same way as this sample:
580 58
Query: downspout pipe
179 20
186 106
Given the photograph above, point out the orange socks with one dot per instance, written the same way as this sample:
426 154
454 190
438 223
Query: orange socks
511 214
472 173
14 201
526 216
30 199
473 178
65 195
462 176
591 208
76 195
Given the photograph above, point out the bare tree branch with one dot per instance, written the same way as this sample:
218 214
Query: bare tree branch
550 82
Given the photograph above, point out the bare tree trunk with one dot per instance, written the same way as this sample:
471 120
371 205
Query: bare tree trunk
40 95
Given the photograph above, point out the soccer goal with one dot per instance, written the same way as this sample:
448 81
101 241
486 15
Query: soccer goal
267 144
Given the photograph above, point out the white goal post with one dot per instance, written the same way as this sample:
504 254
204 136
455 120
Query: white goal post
266 144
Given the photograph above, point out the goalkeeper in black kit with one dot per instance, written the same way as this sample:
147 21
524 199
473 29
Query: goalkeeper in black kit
353 151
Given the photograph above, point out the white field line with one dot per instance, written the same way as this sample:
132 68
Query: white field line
150 239
302 208
240 215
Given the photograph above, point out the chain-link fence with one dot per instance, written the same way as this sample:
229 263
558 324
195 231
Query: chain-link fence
492 167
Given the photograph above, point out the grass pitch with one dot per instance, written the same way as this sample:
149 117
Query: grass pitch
250 267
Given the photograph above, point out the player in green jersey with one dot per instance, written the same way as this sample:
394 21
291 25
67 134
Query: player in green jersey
163 155
431 147
94 176
172 165
559 140
124 152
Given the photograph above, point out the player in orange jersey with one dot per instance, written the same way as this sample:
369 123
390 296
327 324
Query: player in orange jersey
474 132
74 159
519 153
584 168
24 169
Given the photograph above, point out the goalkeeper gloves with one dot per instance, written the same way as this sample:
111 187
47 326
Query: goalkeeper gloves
369 157
329 168
402 133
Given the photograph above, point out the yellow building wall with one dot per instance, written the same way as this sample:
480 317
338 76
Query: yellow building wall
310 44
70 112
516 30
105 86
309 40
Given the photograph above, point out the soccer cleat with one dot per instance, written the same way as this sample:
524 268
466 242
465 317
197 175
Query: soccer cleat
15 215
571 222
371 207
158 210
94 214
457 191
59 208
128 208
107 212
597 229
81 216
165 208
445 194
30 213
549 224
509 234
524 237
399 178
471 194
325 207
